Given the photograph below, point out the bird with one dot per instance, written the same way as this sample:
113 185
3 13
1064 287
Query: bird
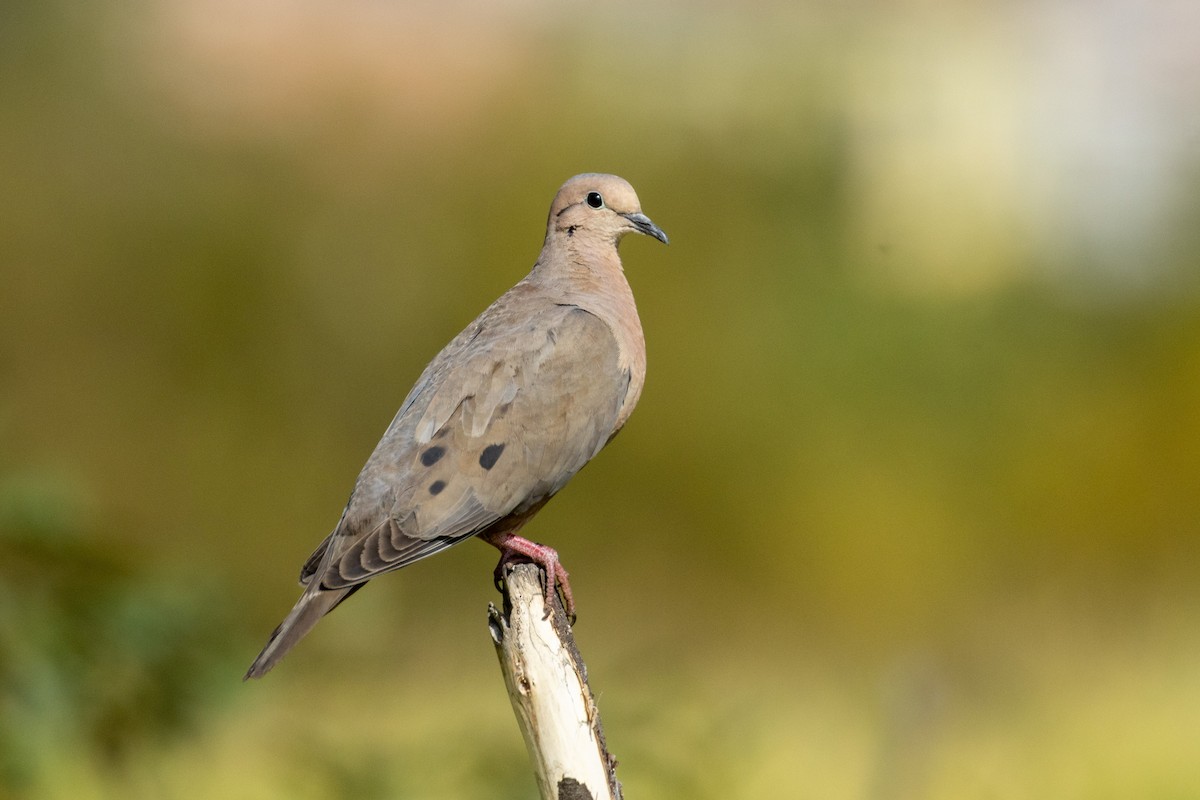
501 418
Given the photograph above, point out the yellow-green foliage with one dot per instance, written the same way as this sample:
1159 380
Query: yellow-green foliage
911 505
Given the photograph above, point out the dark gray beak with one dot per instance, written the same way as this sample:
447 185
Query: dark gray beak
643 224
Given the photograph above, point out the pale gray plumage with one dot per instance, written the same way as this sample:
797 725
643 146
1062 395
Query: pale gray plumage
502 417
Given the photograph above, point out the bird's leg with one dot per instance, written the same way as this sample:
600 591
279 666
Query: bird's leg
512 547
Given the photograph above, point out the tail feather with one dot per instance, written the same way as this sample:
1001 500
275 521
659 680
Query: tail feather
312 605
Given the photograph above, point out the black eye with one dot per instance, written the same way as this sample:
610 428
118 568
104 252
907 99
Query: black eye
595 200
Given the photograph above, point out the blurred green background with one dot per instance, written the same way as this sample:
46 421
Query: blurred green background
911 504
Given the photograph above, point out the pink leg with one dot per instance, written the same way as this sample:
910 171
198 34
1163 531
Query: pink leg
512 546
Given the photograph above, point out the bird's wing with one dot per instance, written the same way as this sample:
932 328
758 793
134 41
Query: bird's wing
499 422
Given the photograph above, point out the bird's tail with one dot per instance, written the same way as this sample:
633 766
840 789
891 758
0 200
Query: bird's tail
312 605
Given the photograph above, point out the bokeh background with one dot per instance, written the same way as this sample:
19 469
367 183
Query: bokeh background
911 504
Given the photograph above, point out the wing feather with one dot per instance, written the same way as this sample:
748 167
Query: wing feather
521 412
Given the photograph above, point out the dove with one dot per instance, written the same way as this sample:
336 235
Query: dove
501 418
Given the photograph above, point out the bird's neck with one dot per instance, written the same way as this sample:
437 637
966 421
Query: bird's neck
584 273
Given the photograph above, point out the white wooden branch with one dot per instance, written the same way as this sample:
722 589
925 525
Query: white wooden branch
547 684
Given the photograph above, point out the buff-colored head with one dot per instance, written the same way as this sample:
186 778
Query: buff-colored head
594 206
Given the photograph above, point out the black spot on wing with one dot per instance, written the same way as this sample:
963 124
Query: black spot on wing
432 455
490 455
436 487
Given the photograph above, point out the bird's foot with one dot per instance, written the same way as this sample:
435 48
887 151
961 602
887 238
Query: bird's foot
515 548
507 558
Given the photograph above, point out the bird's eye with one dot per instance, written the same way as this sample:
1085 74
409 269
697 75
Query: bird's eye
595 200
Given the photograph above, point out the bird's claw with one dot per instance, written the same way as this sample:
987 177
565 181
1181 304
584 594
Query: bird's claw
513 548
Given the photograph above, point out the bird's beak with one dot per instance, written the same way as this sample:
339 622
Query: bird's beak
642 224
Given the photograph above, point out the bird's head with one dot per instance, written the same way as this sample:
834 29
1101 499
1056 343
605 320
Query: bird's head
595 206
